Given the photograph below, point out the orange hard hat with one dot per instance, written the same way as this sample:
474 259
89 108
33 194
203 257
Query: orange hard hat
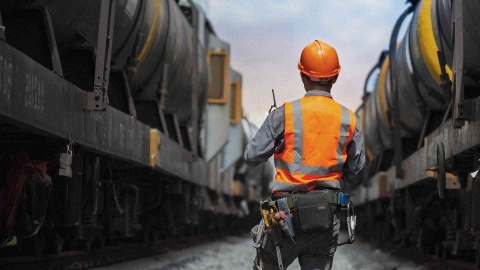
319 60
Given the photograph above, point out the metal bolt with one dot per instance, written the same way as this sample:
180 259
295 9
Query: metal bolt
460 104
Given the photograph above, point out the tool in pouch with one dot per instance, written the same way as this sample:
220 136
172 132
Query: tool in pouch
346 204
276 216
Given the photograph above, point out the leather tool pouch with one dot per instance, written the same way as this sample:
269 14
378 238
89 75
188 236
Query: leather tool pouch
313 213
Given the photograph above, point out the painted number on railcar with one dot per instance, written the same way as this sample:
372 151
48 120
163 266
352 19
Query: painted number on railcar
6 78
34 93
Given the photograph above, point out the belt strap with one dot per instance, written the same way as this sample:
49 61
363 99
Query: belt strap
332 197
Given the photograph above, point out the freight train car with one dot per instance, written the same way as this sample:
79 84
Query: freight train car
421 122
119 119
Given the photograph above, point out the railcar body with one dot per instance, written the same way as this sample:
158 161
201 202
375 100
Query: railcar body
140 96
420 117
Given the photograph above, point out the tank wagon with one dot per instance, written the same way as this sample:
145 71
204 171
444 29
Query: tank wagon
118 119
421 122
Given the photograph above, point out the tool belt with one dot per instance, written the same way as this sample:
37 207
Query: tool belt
312 211
308 212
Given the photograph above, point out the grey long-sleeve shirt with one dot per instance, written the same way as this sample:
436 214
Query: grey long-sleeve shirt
271 132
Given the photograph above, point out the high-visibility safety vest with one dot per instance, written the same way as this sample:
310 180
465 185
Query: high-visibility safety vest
317 132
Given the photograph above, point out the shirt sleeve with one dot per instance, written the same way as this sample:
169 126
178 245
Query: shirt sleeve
355 163
263 144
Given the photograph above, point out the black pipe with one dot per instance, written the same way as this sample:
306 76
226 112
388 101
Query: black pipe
396 129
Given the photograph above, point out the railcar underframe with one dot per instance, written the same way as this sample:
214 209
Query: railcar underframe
426 175
429 198
40 110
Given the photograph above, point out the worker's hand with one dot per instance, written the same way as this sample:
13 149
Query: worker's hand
279 216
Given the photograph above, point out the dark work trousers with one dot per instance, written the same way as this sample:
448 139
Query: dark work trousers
314 250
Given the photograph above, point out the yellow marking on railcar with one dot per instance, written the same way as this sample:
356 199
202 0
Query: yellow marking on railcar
428 45
154 143
236 102
151 34
177 40
251 194
237 188
369 153
361 116
226 75
382 101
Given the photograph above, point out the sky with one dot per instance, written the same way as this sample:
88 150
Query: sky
266 39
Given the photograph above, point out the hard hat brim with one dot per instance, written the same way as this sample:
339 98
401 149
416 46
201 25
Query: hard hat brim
316 74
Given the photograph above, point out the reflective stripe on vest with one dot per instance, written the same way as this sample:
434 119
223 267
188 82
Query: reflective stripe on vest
317 132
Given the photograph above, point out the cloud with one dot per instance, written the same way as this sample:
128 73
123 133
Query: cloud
248 13
267 36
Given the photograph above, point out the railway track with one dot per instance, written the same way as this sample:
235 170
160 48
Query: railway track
102 257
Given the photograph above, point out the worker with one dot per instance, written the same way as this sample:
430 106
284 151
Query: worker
316 142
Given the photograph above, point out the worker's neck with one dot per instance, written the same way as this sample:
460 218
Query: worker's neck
320 88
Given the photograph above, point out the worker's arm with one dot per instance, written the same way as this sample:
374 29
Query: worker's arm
355 162
263 144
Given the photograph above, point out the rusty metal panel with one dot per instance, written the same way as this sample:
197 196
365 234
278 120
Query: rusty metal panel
416 167
38 100
177 161
455 140
414 171
174 159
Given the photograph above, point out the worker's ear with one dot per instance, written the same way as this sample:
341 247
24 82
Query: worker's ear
304 78
334 80
307 83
